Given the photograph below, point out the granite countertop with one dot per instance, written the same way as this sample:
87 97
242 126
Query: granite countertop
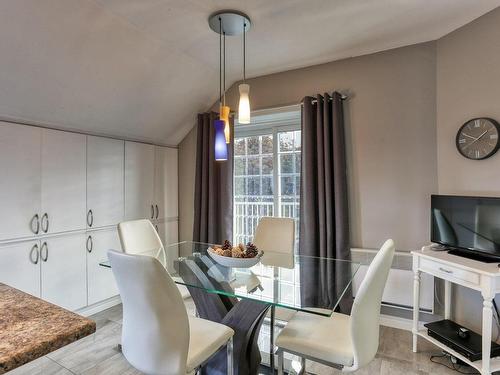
31 328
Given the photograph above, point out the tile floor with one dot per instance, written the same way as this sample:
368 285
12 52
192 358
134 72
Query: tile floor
97 354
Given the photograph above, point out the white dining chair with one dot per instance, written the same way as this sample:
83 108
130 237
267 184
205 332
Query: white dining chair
140 237
342 341
276 237
158 336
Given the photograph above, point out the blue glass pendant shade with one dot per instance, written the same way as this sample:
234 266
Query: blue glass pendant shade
220 141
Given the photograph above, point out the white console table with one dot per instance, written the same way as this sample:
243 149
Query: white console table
484 277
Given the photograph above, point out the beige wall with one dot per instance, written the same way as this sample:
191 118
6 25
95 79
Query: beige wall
468 86
390 119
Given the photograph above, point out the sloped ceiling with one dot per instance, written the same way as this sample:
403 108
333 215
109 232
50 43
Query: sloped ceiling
142 69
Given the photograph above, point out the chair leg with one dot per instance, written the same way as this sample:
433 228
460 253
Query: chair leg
229 348
280 362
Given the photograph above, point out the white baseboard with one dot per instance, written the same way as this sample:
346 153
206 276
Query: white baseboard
100 306
396 322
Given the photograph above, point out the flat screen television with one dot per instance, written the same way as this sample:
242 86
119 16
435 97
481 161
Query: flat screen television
468 226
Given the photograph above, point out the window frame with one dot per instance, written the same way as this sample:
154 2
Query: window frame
271 122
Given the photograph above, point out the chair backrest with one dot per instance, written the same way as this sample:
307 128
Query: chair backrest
365 314
155 333
276 237
140 237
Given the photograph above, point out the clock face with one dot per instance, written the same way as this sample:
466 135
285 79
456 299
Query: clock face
478 139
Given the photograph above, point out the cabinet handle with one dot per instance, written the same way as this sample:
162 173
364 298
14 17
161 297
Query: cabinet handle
44 246
157 211
90 244
445 270
90 218
152 212
45 219
35 219
34 250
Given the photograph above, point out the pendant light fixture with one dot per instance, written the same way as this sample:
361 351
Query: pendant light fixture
220 124
228 22
224 109
244 88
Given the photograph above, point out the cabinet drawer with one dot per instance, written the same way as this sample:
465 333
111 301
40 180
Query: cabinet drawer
446 271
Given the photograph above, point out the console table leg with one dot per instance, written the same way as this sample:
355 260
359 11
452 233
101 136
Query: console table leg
416 307
447 299
487 321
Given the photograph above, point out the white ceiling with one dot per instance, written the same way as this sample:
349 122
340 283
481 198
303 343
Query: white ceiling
143 68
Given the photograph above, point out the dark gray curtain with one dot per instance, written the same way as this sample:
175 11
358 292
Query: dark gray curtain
213 198
324 216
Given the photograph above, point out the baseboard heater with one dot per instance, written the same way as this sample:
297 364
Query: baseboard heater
399 288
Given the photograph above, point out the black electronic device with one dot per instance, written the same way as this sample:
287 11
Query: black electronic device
460 339
467 226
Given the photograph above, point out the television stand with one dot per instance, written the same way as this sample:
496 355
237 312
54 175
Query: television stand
474 256
469 273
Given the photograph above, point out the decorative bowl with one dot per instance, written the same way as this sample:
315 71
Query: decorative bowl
234 262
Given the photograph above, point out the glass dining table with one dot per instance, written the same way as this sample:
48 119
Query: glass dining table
242 297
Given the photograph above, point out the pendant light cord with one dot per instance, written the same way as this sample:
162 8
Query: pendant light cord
224 79
244 51
220 60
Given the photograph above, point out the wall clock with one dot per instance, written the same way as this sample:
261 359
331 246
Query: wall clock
477 139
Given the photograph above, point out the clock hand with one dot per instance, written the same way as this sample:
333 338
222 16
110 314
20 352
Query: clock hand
470 136
476 139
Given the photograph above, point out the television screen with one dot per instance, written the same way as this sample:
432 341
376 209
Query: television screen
467 223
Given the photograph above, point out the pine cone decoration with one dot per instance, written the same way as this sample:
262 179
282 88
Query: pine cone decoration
251 251
227 245
227 253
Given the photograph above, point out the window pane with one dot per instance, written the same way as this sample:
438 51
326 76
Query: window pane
267 144
267 186
253 145
298 142
254 186
253 165
287 186
239 166
298 160
239 146
267 165
286 163
239 186
286 141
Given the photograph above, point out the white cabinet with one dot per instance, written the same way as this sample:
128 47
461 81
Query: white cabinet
166 186
63 271
101 283
20 180
63 179
105 165
20 266
139 181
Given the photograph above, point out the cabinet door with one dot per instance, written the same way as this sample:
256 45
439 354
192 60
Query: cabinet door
63 181
101 282
20 266
64 279
104 181
169 234
166 187
139 180
20 180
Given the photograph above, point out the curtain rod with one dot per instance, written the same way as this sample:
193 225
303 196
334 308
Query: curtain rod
343 97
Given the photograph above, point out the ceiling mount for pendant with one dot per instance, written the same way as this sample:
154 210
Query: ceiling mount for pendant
231 21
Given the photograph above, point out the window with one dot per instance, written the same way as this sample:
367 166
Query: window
266 171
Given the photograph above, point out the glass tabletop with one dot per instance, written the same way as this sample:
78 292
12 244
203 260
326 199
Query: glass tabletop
275 279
